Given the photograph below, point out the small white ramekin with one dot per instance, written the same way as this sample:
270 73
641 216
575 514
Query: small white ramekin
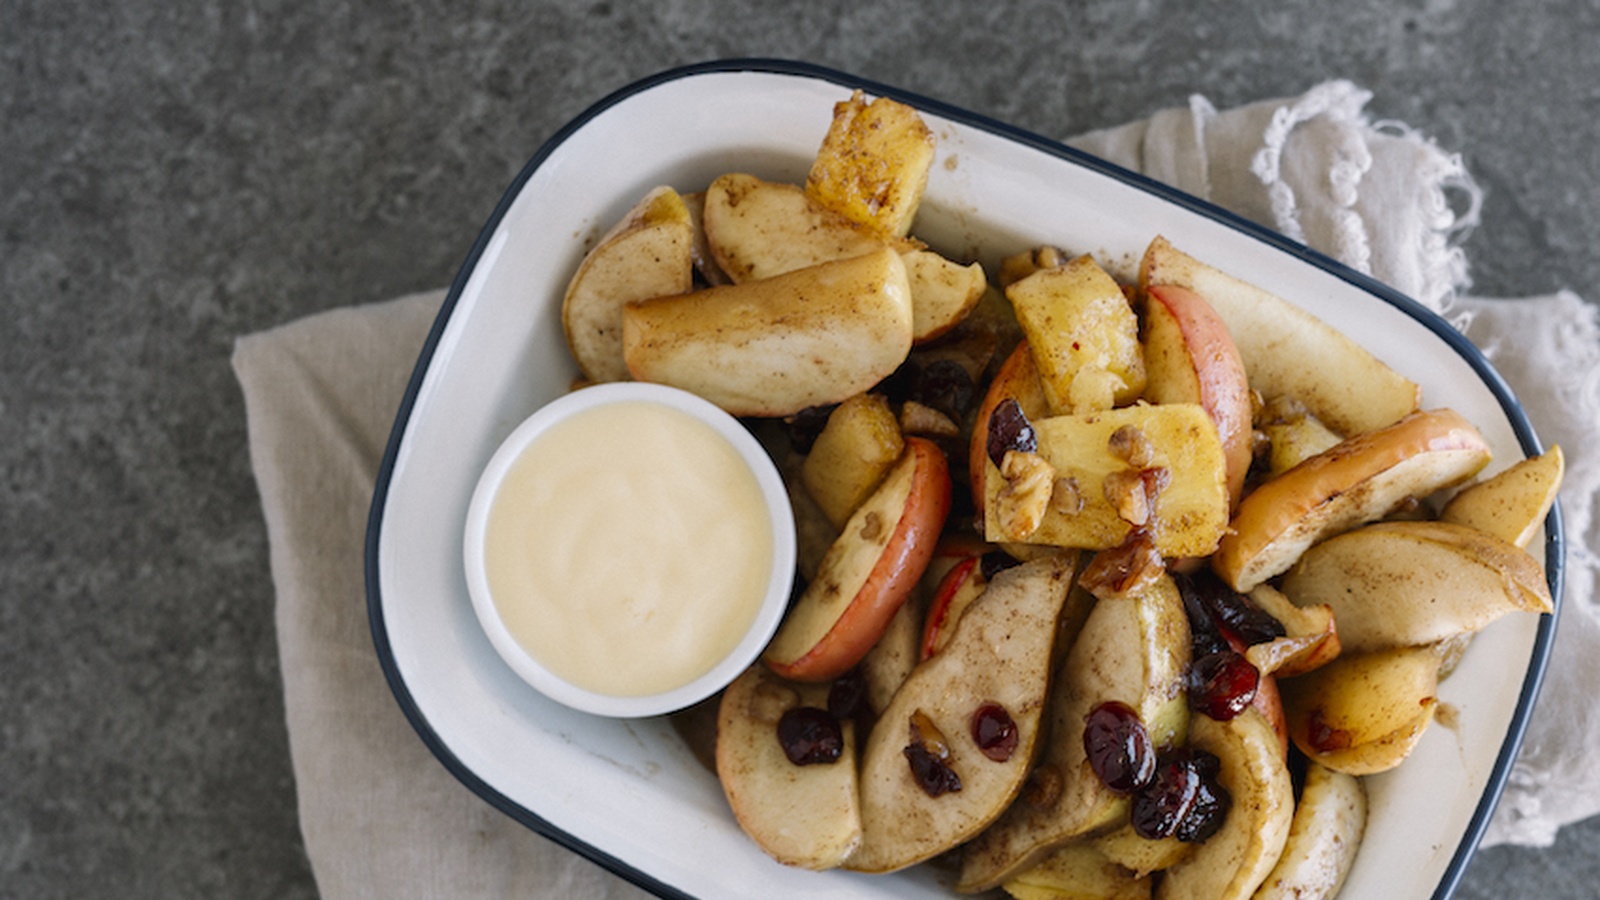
779 582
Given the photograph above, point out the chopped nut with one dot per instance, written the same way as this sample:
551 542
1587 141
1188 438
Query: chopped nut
1023 500
1066 498
1125 491
924 732
1130 444
1124 569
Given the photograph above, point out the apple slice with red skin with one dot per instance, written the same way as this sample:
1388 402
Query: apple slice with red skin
1190 357
869 571
960 586
1359 480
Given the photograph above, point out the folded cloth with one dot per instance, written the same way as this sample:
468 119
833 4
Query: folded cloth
382 818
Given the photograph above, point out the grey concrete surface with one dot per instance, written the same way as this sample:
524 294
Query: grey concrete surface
175 174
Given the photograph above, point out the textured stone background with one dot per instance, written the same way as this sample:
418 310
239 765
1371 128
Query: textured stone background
175 174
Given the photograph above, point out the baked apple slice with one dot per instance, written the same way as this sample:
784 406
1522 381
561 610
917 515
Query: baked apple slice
756 229
1287 351
953 748
873 163
806 338
801 814
1190 357
1016 379
1408 583
868 572
649 253
1095 472
1358 480
1079 872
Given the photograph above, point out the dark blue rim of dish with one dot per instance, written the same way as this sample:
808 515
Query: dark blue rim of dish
1554 540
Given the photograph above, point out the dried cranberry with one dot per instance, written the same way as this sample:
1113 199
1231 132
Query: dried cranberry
945 385
1166 801
1211 803
994 731
1222 684
1119 747
846 696
809 735
996 561
1009 429
932 774
1230 610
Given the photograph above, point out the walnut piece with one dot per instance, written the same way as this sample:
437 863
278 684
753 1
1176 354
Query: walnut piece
1023 500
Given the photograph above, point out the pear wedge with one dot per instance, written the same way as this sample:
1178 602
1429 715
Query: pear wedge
1364 713
999 656
1133 650
1328 824
1409 583
1511 505
1234 861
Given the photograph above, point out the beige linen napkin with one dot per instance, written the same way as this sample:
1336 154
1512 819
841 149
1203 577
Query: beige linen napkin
382 818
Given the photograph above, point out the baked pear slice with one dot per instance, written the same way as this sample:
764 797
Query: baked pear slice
1329 821
1234 861
800 815
955 745
1512 504
1364 713
1358 480
1409 583
1131 650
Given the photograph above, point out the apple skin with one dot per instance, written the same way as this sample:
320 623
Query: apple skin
1190 357
956 591
1354 482
848 630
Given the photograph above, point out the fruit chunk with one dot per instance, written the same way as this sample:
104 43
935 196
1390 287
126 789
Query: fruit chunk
1329 821
1233 862
800 815
855 449
756 229
1084 335
868 572
647 254
1364 712
1511 505
1190 357
996 670
1132 650
1403 584
1288 351
1294 435
806 338
1356 481
1186 516
1311 636
873 163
